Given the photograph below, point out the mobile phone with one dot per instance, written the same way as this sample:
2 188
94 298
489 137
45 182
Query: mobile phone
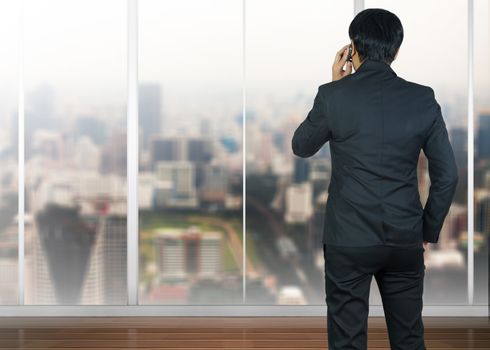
349 55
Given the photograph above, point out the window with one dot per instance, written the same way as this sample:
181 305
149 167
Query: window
75 152
8 152
222 85
190 168
424 58
289 53
482 150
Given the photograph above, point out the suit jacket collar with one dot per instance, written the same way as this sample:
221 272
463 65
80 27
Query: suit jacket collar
369 64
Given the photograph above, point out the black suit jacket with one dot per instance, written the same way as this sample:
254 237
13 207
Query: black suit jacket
376 124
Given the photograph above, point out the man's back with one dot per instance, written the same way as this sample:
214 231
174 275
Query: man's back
376 124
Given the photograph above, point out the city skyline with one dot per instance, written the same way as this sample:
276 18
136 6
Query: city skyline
191 169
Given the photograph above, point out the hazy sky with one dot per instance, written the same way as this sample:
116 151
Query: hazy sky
195 46
435 48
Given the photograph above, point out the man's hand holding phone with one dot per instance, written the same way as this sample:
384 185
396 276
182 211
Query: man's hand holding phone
338 71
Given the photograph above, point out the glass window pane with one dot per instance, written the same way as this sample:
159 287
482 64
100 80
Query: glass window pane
190 171
424 59
482 148
75 124
290 49
9 35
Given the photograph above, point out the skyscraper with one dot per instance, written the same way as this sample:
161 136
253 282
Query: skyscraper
482 139
105 281
149 110
184 252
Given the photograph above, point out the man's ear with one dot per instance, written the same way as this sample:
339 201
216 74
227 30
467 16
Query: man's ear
354 51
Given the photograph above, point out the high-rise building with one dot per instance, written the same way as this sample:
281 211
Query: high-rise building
482 211
299 203
215 185
8 259
105 282
459 143
184 253
198 150
482 148
40 113
58 253
76 240
175 185
149 111
301 170
165 148
114 155
8 281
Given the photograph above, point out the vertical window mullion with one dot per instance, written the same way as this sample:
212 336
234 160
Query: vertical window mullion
244 172
358 6
132 152
470 154
20 154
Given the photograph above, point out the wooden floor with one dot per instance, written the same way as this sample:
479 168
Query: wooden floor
218 333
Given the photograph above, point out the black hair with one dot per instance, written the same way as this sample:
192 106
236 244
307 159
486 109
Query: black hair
377 34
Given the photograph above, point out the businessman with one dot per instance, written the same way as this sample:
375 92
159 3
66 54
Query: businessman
377 123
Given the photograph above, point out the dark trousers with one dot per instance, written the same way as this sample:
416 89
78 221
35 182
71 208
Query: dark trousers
399 273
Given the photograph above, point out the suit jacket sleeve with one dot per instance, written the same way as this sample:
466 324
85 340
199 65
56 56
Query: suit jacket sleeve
442 172
314 131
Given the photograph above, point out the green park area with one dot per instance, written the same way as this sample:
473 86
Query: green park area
152 221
